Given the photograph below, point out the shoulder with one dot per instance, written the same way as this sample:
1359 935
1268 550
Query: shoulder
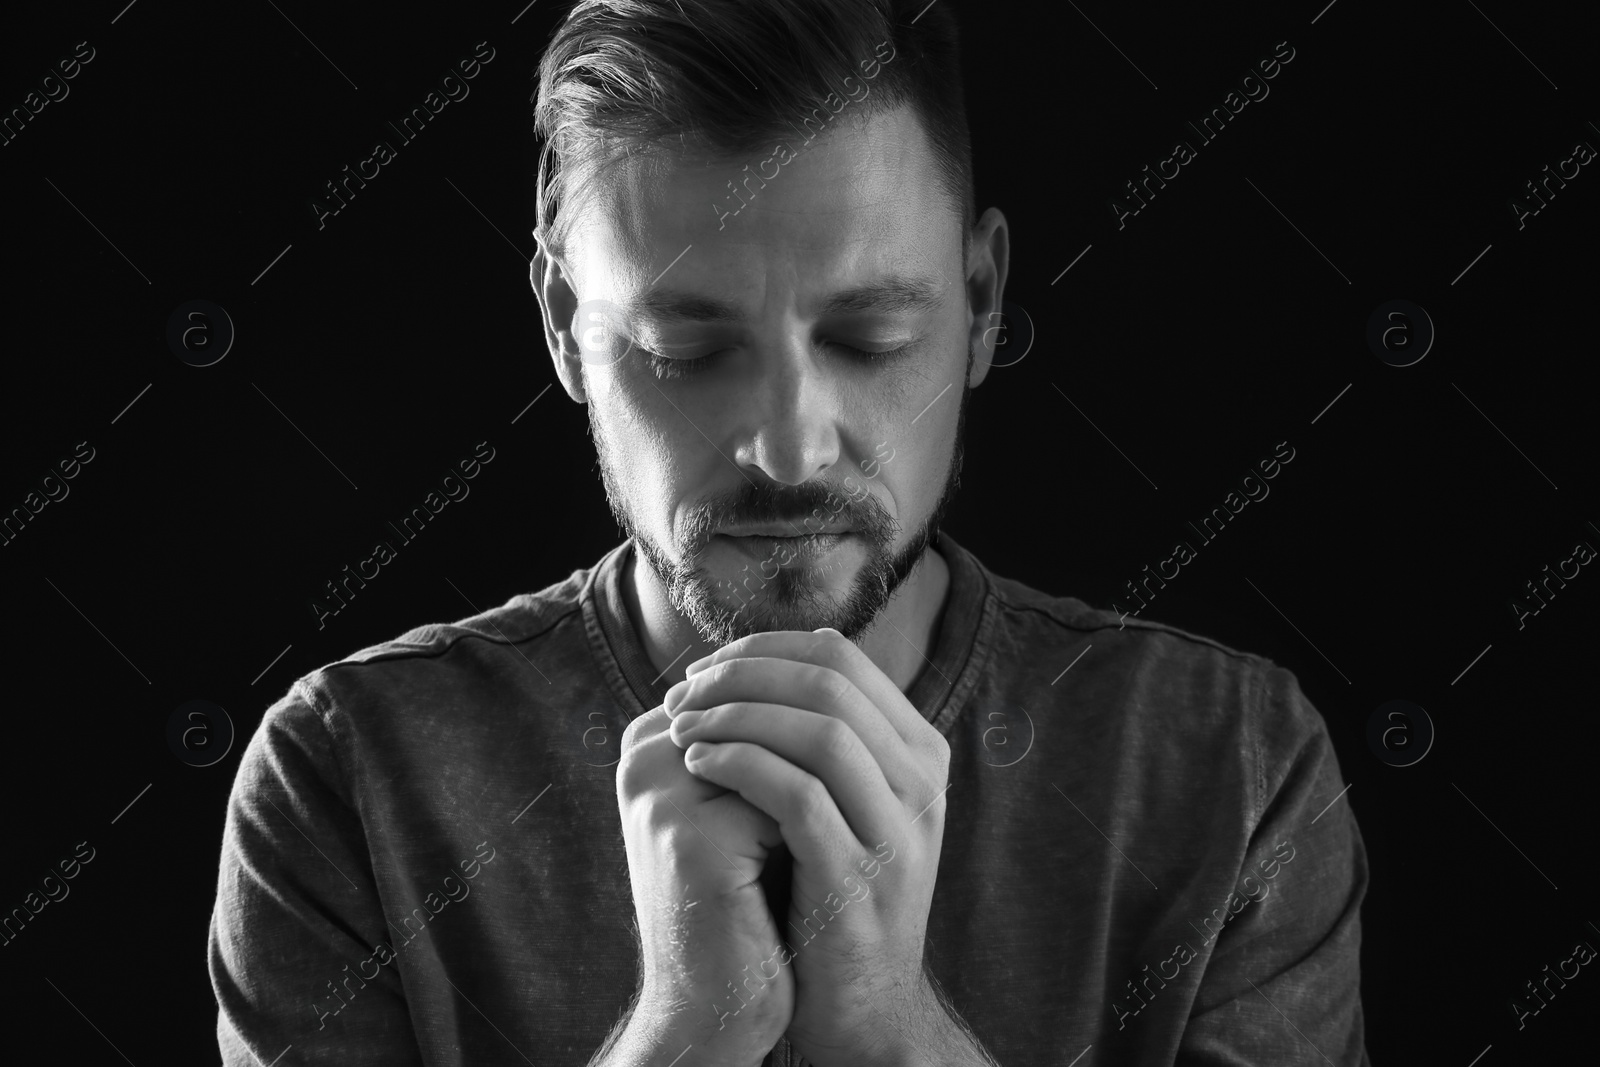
1032 620
435 661
1181 694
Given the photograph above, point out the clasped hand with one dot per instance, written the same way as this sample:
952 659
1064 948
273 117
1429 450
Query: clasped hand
806 729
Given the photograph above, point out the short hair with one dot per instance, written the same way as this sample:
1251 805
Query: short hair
627 79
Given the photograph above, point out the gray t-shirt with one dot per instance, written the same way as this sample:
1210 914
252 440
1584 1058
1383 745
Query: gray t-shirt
1146 859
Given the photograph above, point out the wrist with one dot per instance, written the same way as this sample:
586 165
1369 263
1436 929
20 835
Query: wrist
663 1024
929 1035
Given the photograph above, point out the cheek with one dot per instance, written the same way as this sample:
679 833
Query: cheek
642 453
916 469
667 469
642 426
903 492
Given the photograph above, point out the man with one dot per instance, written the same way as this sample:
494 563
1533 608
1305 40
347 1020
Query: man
789 775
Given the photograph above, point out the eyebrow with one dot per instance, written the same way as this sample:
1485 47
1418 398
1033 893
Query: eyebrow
916 295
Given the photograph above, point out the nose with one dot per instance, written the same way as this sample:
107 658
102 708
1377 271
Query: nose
790 430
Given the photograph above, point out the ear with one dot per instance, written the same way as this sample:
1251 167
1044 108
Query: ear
558 303
988 258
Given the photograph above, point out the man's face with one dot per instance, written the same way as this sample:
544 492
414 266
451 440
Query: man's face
785 418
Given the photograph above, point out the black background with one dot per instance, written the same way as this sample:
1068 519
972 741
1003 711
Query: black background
1195 338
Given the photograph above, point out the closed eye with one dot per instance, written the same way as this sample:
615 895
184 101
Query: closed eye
677 368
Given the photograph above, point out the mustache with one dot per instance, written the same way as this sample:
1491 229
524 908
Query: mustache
791 505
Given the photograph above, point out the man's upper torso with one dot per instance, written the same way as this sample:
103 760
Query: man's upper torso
423 861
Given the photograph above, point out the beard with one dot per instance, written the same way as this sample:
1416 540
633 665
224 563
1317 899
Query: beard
791 599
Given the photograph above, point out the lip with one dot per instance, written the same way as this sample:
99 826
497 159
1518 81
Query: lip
805 547
782 531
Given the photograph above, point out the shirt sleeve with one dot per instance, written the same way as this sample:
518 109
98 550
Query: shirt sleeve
297 918
1283 981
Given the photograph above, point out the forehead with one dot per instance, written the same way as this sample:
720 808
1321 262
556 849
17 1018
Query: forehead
859 205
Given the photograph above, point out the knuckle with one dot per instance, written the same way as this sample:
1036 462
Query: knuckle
835 740
932 746
641 727
634 750
634 733
830 683
824 642
833 649
813 801
630 772
630 736
728 670
728 714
